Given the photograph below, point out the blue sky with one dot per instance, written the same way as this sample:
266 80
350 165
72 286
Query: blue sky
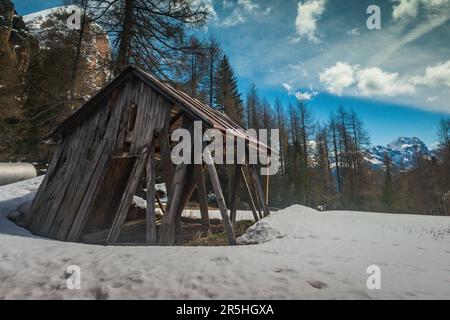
397 78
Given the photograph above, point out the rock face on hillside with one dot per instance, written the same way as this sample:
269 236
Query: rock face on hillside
93 71
14 59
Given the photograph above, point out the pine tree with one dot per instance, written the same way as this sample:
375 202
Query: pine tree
227 96
387 197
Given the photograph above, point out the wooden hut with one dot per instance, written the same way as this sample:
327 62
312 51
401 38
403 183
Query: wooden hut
109 144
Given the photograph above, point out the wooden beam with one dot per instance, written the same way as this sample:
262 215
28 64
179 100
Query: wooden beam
267 186
189 188
151 195
221 201
158 199
252 200
167 230
199 179
259 190
127 198
235 193
166 161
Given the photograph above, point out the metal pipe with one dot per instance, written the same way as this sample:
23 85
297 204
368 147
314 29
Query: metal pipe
15 172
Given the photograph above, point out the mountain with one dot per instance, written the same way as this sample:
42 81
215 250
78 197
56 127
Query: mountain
94 69
15 58
402 152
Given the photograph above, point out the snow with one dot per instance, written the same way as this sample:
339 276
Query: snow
297 253
35 20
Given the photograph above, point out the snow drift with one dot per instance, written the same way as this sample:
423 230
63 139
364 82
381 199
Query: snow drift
297 253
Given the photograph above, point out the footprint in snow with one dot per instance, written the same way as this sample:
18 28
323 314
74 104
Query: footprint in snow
317 284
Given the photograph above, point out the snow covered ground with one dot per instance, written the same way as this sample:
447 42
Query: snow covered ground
298 253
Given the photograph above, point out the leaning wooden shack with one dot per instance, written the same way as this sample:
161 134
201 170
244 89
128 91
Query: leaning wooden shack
114 140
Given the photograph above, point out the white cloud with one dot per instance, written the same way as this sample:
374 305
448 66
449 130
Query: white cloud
305 96
227 4
206 5
288 88
405 8
369 81
432 99
234 19
302 96
308 12
376 82
248 5
353 32
410 8
435 75
337 78
241 10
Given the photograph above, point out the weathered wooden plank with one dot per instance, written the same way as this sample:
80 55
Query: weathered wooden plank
186 194
221 200
199 179
86 205
159 203
252 200
151 195
166 161
235 193
259 190
167 230
127 198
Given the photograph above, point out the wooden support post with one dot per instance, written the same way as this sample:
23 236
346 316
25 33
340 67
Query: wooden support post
252 201
167 231
189 188
151 195
259 190
267 186
235 193
166 161
199 179
158 199
127 198
221 200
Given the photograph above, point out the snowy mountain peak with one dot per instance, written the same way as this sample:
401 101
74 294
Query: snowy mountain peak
402 152
35 20
405 143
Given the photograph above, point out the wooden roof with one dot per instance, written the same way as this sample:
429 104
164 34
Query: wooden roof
198 110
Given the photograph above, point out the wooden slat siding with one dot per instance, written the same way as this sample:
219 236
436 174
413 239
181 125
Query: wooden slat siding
40 209
199 178
119 132
127 198
85 207
77 190
90 154
151 195
234 202
123 126
65 183
42 190
252 200
221 201
259 190
167 230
